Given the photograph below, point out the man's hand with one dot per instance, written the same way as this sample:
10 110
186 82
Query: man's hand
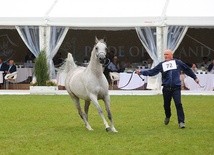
137 71
197 80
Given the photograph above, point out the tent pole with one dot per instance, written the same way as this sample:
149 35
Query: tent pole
42 38
161 41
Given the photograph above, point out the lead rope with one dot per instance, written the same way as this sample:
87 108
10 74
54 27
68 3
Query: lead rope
130 79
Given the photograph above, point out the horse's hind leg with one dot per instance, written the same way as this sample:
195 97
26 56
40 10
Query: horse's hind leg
81 113
87 104
107 105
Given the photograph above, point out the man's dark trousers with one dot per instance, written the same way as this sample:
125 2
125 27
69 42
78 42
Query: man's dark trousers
175 93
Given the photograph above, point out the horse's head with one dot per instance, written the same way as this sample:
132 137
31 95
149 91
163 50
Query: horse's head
100 50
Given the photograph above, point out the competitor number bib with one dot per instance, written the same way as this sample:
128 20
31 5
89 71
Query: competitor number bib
169 65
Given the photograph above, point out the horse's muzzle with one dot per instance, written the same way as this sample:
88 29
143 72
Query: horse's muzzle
101 57
102 60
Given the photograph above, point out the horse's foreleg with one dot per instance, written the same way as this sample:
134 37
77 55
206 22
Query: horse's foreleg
96 103
87 104
107 105
82 115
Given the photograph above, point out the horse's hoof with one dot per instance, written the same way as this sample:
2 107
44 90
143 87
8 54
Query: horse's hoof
108 129
89 128
114 130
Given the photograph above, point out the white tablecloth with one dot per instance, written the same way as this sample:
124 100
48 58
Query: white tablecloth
61 78
206 81
128 82
1 76
23 74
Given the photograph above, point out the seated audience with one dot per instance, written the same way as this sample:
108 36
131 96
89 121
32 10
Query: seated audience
3 68
110 55
125 64
194 68
11 67
106 70
182 77
58 59
211 67
29 57
149 63
114 65
205 63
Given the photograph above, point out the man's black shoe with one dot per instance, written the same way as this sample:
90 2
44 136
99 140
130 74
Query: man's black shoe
181 125
166 121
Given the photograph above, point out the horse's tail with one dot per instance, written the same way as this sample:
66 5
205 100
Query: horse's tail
68 64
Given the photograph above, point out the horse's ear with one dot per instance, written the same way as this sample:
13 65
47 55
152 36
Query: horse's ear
69 55
105 39
96 40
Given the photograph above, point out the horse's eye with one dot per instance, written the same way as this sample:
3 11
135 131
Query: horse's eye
96 48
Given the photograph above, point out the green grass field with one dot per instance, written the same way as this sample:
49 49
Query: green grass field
50 125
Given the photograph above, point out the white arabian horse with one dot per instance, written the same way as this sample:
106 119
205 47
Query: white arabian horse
89 83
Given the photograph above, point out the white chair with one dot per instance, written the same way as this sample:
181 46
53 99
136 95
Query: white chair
115 77
1 77
11 78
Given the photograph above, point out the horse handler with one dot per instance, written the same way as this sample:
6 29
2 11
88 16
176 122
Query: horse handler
170 70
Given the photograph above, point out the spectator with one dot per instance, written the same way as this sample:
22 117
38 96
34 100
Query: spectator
114 65
125 64
3 68
110 55
149 63
106 71
194 68
211 67
58 59
205 63
182 77
29 57
11 67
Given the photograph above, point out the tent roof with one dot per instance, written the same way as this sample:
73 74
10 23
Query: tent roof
24 12
109 13
190 12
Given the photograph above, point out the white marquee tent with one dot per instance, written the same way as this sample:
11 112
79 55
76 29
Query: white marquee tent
43 18
109 13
